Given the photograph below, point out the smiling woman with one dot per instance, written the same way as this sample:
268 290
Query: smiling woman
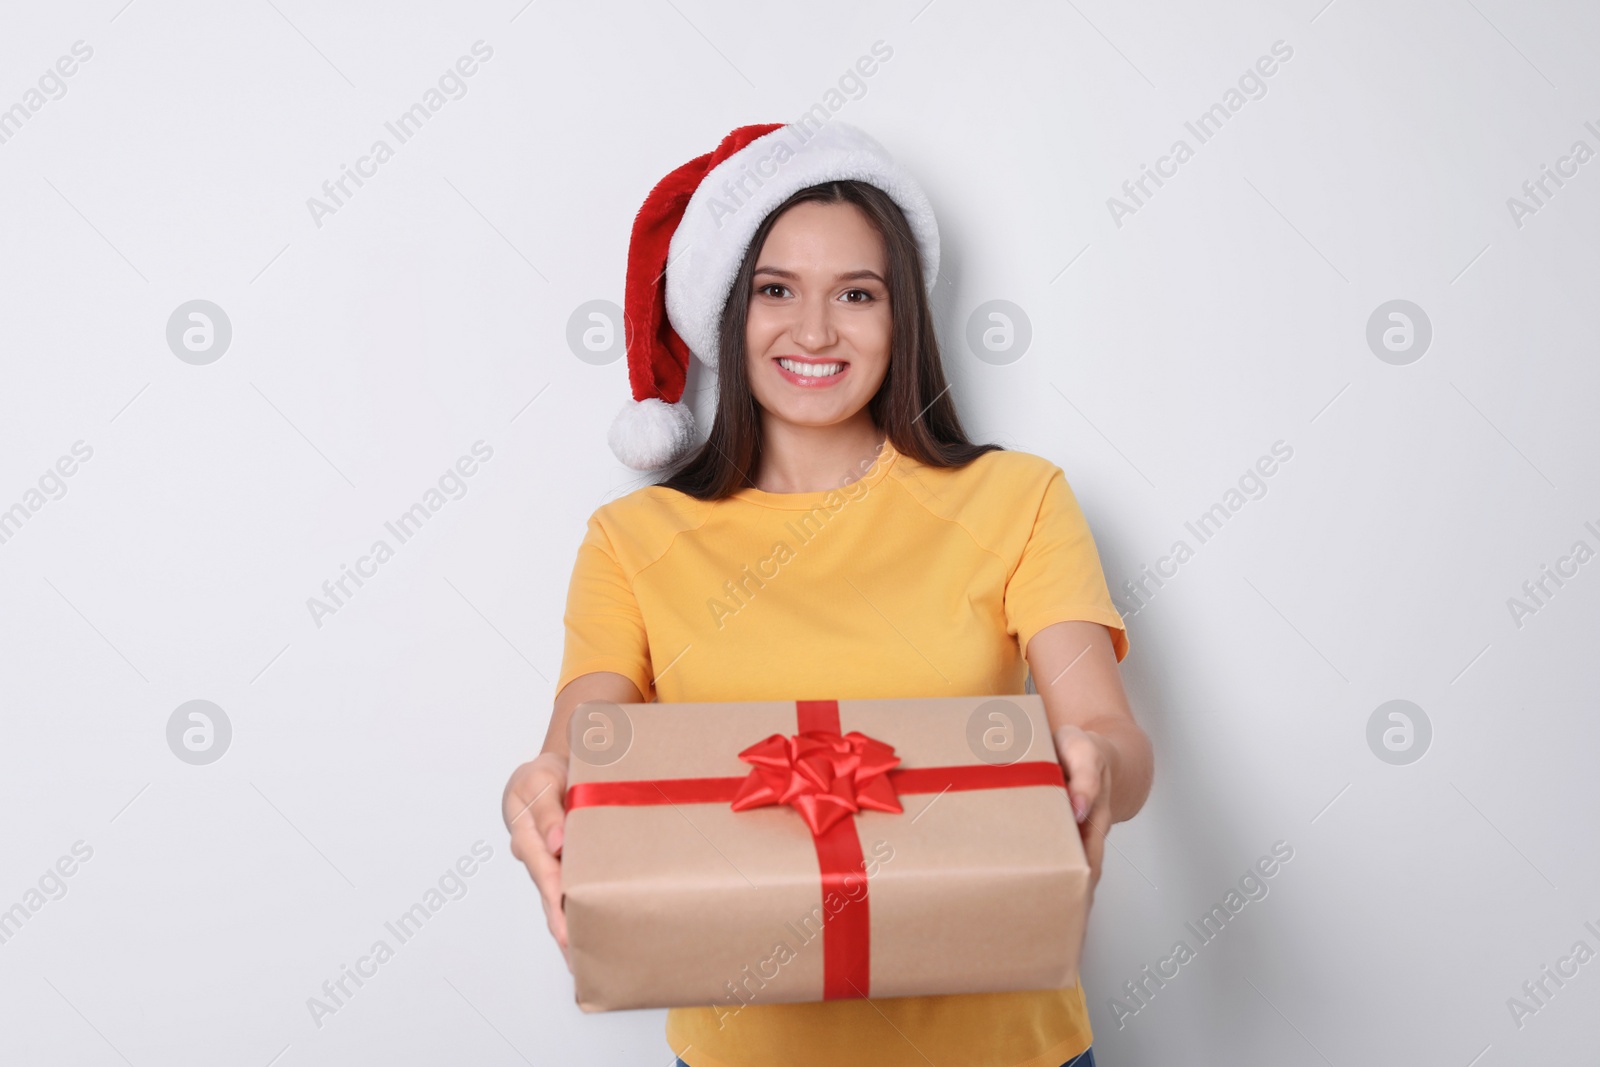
833 284
807 308
957 569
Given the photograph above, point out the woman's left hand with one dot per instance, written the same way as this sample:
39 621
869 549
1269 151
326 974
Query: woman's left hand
1087 758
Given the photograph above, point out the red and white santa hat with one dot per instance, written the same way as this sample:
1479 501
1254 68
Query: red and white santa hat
688 242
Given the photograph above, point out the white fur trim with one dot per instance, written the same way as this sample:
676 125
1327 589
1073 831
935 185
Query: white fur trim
722 216
649 434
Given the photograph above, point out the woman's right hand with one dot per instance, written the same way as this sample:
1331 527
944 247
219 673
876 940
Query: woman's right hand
534 802
533 812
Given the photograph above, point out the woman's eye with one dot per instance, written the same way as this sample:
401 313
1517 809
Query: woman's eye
770 285
866 295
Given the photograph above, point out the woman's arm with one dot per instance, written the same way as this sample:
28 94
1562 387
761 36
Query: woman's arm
1107 757
532 802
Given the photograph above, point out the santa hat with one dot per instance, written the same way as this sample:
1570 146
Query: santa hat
688 242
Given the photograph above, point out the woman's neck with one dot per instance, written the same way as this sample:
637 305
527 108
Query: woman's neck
806 459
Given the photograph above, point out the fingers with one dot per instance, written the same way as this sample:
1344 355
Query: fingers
543 867
1089 789
546 871
556 920
546 805
1081 759
532 809
533 798
1092 832
1097 826
1094 850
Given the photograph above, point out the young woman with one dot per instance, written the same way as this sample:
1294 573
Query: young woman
837 531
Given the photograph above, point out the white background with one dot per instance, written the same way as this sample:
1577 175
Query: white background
1168 353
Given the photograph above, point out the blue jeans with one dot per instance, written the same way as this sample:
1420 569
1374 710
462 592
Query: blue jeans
1082 1059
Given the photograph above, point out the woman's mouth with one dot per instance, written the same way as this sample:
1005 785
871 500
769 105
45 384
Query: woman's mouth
811 375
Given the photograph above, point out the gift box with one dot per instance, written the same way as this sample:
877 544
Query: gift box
725 854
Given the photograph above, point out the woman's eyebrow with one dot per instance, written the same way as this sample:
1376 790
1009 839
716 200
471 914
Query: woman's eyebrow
847 276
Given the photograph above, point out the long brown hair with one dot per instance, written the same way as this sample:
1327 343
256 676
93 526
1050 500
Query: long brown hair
913 404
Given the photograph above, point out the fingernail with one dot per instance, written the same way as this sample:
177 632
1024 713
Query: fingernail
1079 809
555 839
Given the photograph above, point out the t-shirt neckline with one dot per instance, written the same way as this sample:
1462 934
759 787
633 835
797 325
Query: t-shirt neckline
876 472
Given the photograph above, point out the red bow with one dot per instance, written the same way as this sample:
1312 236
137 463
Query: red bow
822 775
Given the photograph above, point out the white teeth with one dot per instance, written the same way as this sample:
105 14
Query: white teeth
810 370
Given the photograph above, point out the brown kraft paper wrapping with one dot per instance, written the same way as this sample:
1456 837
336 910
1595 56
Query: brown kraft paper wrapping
693 904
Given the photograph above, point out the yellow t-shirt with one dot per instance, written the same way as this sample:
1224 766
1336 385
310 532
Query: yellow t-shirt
910 581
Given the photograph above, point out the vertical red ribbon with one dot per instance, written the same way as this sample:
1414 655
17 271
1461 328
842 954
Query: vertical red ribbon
847 933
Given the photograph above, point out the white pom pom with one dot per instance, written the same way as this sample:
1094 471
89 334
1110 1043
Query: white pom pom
649 434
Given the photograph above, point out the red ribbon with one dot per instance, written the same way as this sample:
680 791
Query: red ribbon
826 777
823 776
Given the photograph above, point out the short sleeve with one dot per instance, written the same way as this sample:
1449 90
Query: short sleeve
1058 576
604 626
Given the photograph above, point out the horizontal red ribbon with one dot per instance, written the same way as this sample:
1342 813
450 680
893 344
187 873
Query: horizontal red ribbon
723 790
779 774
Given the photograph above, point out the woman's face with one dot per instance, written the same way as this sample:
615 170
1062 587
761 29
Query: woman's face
817 333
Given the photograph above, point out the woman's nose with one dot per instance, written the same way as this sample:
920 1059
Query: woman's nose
813 328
